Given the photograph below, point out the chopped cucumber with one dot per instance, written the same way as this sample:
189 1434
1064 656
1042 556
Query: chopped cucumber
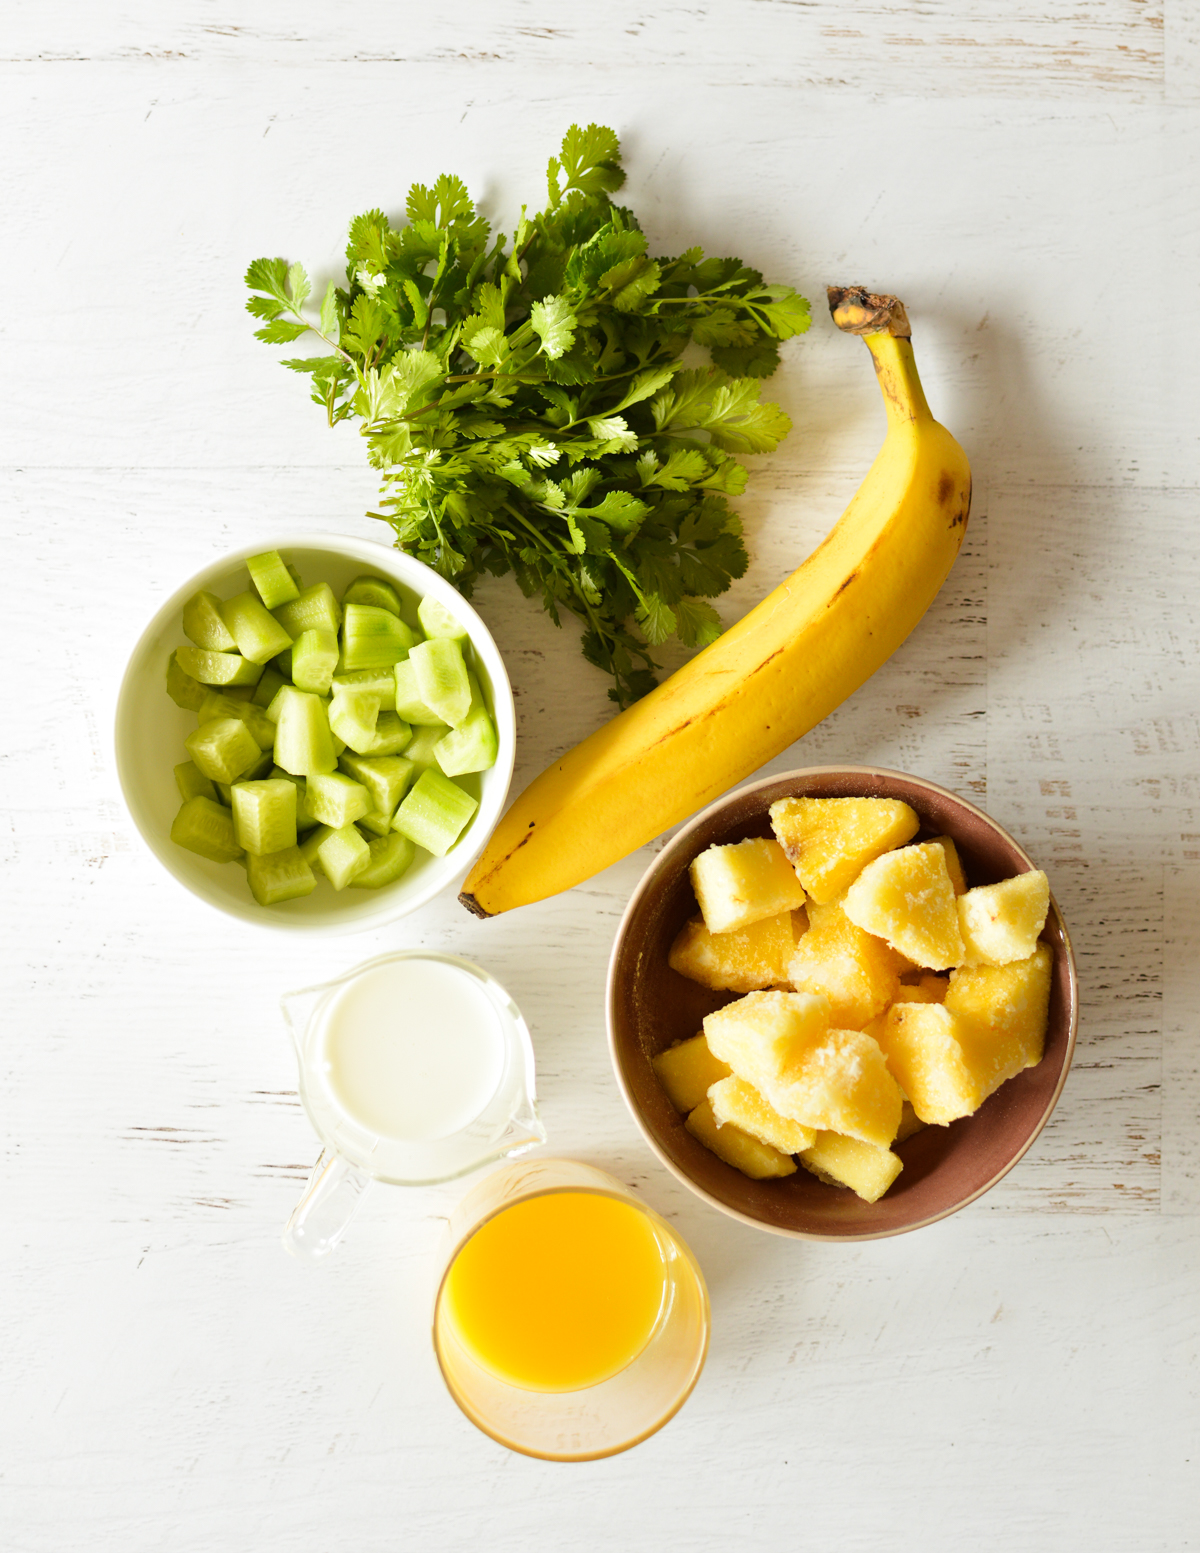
192 783
384 777
336 799
303 743
304 820
206 827
472 746
420 750
391 736
435 813
353 715
374 591
315 610
185 691
273 578
314 658
390 856
218 668
441 676
202 623
374 638
312 843
409 704
279 876
223 749
378 823
342 854
219 703
258 635
437 620
268 683
264 815
256 772
381 682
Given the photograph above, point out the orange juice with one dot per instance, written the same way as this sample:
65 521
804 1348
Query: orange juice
559 1291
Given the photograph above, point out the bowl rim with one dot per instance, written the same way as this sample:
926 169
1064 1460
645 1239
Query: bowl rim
679 842
391 561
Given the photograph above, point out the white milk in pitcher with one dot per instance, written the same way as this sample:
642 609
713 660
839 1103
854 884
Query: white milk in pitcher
412 1050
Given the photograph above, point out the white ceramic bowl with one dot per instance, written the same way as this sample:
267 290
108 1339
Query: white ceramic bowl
150 730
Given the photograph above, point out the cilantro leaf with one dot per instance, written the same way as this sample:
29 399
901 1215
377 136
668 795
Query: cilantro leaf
553 321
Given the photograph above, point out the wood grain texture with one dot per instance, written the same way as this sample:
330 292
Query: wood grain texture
1024 178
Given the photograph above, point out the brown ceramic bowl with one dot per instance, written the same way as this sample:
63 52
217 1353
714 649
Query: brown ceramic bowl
651 1006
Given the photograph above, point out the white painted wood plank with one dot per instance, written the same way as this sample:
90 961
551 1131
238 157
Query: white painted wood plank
1181 1040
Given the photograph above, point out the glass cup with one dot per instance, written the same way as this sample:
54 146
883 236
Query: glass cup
598 1420
356 1153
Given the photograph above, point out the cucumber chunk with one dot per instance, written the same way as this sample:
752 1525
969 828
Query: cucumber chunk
256 772
353 715
316 609
269 682
391 736
203 625
380 682
258 635
374 591
273 579
472 746
206 827
223 749
373 638
192 783
218 703
336 799
304 820
311 845
435 813
436 620
264 816
409 704
218 668
390 857
378 823
384 777
419 751
314 658
279 876
441 676
182 688
342 854
303 743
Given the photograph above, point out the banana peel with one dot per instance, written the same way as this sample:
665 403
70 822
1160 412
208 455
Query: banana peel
771 677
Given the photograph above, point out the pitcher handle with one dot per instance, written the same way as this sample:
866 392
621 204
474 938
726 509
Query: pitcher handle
330 1201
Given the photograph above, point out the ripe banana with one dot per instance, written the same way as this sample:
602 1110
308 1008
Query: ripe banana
768 679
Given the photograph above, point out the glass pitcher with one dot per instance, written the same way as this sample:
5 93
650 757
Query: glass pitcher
457 1097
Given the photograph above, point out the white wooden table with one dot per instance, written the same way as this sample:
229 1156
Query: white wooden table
1023 1375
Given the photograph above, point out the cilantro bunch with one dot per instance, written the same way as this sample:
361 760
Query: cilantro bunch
526 407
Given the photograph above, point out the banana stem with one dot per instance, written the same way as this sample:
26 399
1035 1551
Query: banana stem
883 323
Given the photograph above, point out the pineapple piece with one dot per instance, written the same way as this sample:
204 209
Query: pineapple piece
866 1169
910 1122
687 1071
843 1085
857 972
907 898
747 960
1008 1009
743 883
1000 923
764 1035
930 989
734 1101
830 840
926 1057
752 1157
954 867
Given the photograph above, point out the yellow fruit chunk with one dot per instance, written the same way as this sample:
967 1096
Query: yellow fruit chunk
1008 1008
857 972
930 989
923 1050
740 1104
954 867
744 882
737 1148
747 960
765 1035
907 898
910 1122
867 1170
830 840
842 1084
1000 923
687 1071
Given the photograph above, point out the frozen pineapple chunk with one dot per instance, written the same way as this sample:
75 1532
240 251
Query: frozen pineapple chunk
930 989
752 1157
907 898
743 883
740 1104
842 1084
954 867
1008 1007
857 972
867 1170
910 1122
687 1071
925 1054
1000 923
765 1035
830 840
746 960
